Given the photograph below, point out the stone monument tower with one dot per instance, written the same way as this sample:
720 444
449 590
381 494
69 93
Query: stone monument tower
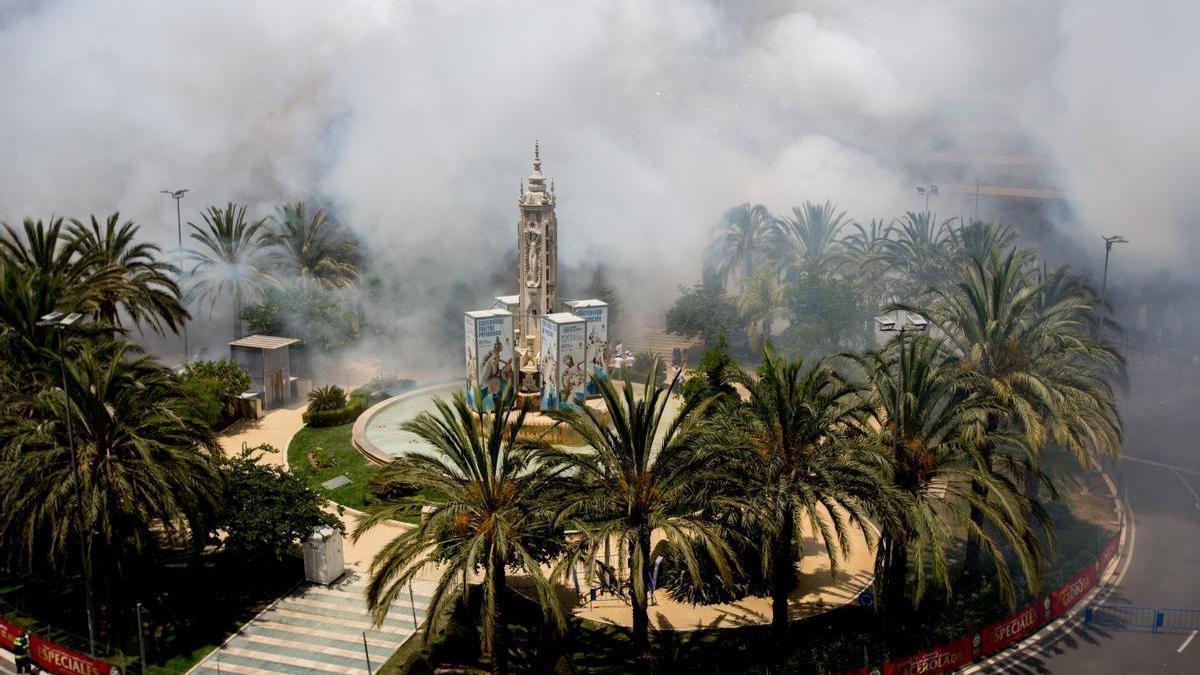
537 254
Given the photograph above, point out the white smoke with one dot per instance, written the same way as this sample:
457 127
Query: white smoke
415 120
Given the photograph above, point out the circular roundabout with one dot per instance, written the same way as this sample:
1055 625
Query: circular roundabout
378 435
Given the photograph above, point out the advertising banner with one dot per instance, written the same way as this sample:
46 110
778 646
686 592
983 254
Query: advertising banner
65 661
472 356
563 361
1069 593
1110 550
8 633
572 363
595 312
489 348
1004 633
940 659
548 365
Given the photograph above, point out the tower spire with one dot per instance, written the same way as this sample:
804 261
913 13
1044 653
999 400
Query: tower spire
537 156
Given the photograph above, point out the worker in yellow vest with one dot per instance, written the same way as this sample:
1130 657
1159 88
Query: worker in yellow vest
21 653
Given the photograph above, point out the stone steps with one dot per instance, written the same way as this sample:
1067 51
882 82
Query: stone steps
318 629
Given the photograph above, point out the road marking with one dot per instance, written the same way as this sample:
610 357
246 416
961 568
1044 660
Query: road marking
1189 487
1139 460
1186 642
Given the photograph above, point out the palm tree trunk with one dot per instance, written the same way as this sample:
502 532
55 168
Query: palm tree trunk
499 635
971 554
638 601
782 574
237 313
895 576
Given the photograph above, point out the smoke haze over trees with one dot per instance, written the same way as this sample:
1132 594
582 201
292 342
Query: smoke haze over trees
413 122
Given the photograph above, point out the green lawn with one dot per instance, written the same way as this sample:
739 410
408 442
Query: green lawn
347 461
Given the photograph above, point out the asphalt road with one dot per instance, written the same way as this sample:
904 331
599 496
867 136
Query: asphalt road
1161 479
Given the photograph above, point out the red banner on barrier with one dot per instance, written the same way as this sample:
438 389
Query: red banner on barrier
1109 551
65 661
940 659
8 633
1003 633
1069 593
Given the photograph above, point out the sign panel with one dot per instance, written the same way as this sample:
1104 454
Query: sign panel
8 633
63 661
940 659
572 363
489 336
595 312
1069 593
1004 633
472 356
562 361
1110 550
548 365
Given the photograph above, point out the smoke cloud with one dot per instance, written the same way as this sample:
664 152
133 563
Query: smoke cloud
414 121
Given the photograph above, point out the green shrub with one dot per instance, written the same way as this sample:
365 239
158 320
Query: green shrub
388 384
332 418
329 397
214 387
204 399
268 510
323 457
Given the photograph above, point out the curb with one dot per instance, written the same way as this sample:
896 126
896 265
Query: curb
1070 619
358 435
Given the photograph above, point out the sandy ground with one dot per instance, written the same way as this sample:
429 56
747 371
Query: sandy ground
817 591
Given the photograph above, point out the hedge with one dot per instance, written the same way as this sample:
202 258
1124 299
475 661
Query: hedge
332 418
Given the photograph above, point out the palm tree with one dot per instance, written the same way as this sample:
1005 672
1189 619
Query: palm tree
147 291
921 253
640 477
737 242
1037 360
40 273
866 248
232 259
489 513
808 241
758 304
793 453
147 470
316 248
932 465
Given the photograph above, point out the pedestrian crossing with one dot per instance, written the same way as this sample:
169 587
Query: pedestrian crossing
319 629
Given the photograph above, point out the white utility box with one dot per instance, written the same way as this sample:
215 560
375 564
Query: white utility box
324 562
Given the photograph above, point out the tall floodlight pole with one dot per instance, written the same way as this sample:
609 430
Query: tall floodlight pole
177 195
60 323
1108 244
903 322
926 191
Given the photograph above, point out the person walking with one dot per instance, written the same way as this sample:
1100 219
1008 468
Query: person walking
20 652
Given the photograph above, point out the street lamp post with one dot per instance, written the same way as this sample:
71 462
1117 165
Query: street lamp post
927 190
1108 244
61 322
903 322
177 195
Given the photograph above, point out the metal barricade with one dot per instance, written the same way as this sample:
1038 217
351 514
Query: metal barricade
1179 619
1121 616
